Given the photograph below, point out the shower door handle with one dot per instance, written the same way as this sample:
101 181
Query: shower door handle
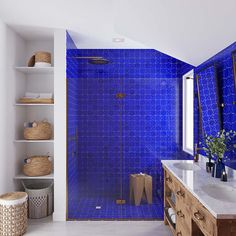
74 138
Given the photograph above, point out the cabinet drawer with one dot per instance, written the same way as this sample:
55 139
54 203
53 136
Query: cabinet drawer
169 180
183 216
181 230
203 218
182 195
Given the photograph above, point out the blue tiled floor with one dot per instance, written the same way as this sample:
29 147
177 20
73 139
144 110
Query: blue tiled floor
85 208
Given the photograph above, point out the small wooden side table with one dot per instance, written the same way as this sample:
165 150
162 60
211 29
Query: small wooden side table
140 187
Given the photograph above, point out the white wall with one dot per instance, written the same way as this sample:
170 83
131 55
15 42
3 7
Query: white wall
12 48
60 200
39 45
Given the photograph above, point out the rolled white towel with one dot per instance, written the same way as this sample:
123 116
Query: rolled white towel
173 218
171 212
31 95
45 95
42 64
173 198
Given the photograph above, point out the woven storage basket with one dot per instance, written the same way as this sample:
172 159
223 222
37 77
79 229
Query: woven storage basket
40 198
37 166
41 130
43 57
13 214
31 61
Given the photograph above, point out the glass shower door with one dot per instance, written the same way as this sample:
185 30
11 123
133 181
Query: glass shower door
141 140
98 157
115 123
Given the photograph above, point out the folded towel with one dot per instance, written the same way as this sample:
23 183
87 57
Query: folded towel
31 95
45 95
173 219
171 212
172 197
28 124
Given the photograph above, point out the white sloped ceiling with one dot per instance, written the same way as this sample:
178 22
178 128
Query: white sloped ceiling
190 30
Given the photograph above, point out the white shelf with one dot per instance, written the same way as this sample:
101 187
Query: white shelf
34 80
33 141
34 104
35 70
22 176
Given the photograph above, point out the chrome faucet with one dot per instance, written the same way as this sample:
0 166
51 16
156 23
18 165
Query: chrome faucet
196 156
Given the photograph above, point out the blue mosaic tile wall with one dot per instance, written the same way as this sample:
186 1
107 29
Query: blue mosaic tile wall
128 63
148 122
72 146
184 68
69 42
224 71
209 100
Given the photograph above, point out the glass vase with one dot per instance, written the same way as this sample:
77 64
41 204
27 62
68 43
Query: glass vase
209 164
218 168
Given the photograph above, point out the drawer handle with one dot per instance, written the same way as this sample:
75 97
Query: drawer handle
168 179
198 216
180 193
179 234
180 214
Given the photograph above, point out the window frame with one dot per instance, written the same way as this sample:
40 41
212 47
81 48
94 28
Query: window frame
184 124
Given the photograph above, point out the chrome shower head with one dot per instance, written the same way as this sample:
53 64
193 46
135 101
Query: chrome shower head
98 61
93 60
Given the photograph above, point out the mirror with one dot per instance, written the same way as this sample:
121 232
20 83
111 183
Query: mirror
208 98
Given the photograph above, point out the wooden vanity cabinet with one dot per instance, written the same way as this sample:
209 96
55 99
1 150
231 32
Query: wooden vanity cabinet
183 219
192 218
203 218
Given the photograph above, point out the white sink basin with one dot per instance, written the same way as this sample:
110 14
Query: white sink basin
224 193
186 166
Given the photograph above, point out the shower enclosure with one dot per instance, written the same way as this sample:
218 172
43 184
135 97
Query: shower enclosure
118 124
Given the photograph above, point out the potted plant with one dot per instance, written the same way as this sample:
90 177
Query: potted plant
215 147
206 146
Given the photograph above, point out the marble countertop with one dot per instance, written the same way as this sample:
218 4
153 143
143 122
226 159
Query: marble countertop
205 188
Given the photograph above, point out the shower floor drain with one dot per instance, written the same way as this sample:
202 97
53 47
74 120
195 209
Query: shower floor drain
98 207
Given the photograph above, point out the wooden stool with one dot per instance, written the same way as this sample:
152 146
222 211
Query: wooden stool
140 187
13 214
